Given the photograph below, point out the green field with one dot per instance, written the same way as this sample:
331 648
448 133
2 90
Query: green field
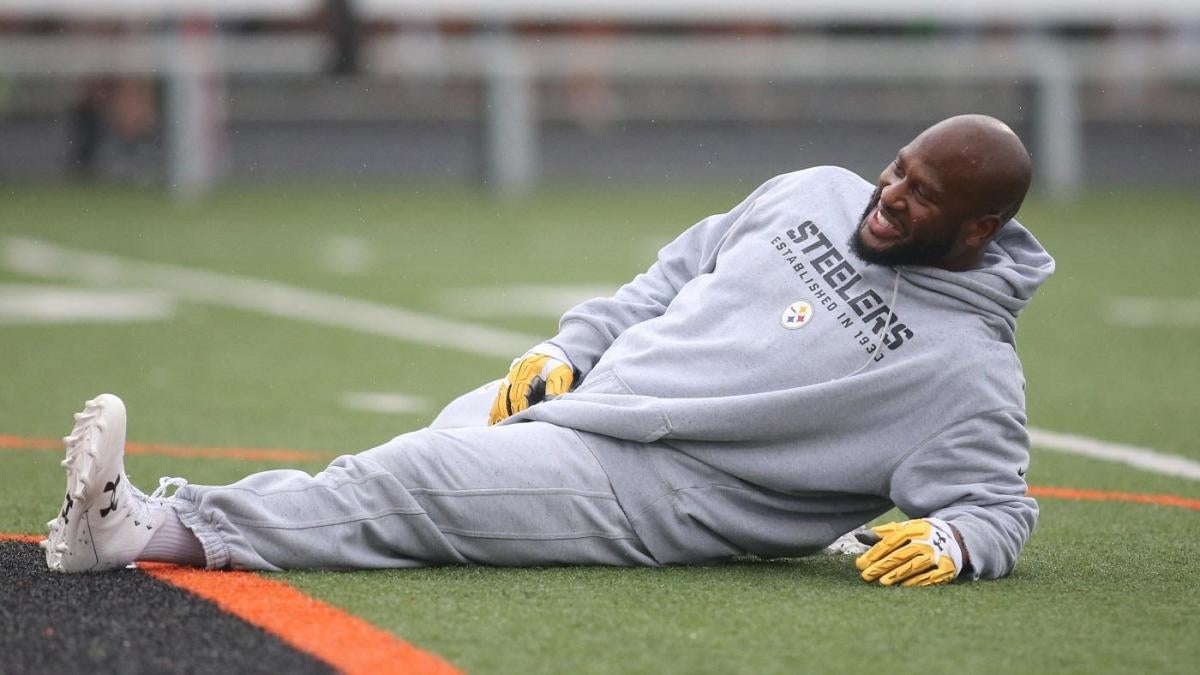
1102 587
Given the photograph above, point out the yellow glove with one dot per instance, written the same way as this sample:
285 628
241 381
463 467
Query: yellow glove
542 372
919 552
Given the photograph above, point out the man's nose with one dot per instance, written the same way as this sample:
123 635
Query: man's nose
893 195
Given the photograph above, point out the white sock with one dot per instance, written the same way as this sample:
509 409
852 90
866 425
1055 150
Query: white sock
173 542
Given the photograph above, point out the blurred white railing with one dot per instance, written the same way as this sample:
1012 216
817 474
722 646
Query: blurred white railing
192 56
1009 12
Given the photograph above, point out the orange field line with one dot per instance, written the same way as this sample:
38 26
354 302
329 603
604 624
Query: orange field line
1105 496
28 538
172 450
346 642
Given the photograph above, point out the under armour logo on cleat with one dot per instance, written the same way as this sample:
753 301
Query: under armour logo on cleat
112 503
67 509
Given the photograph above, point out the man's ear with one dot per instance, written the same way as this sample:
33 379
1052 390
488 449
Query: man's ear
981 230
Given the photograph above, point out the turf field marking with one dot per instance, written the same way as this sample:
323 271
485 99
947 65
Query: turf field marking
173 450
28 303
39 258
346 642
1147 312
346 255
382 402
42 259
533 300
1074 494
1140 458
27 538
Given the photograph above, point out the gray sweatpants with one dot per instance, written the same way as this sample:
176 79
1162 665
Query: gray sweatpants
457 492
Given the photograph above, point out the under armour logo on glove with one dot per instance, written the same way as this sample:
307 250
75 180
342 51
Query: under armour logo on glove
919 552
939 541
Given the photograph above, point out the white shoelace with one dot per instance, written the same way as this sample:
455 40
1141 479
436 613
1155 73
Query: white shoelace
165 483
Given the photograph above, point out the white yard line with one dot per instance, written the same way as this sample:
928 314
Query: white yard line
1141 458
29 303
384 402
346 255
42 259
1143 312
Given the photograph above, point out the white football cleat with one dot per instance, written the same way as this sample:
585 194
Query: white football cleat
848 544
104 522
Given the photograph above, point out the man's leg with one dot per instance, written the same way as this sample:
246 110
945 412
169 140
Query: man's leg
469 410
525 494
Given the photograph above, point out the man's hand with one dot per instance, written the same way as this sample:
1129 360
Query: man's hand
919 552
542 372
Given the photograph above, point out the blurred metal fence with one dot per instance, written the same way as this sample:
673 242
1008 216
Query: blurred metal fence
513 69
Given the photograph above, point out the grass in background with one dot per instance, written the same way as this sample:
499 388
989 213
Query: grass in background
1102 587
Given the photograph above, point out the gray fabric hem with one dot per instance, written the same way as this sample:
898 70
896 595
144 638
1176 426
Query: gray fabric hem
491 492
333 488
216 552
316 524
518 536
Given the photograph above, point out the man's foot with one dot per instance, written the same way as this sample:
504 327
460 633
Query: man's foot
104 522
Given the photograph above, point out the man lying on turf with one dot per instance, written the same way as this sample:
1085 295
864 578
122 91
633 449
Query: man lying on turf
784 373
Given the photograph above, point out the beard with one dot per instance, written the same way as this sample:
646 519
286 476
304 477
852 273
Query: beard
914 251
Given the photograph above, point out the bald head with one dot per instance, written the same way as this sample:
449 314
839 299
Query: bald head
946 195
982 158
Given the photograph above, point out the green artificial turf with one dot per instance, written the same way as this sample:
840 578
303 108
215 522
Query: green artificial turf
1069 608
1102 587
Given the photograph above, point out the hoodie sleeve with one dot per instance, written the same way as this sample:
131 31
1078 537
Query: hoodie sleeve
587 330
971 475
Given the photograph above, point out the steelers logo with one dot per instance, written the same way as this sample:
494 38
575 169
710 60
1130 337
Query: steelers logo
797 315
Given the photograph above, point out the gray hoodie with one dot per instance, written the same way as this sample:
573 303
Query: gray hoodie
760 389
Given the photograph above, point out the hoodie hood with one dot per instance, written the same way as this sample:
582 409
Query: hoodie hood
1014 266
